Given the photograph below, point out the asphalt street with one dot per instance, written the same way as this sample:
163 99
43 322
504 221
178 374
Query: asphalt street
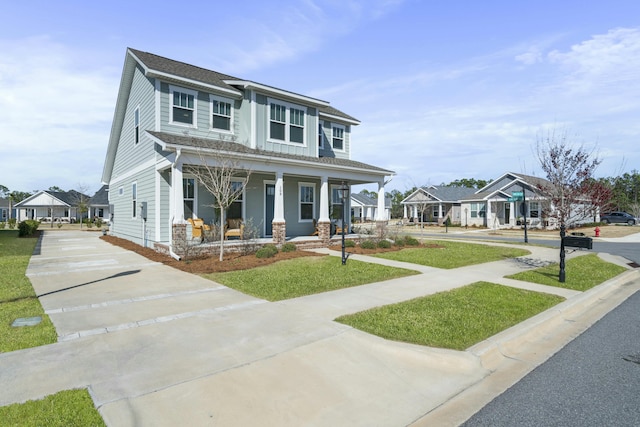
593 381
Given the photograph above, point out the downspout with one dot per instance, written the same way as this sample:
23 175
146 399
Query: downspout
171 252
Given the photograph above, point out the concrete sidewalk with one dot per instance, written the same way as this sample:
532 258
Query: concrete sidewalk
156 346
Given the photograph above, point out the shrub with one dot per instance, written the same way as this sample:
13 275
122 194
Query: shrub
267 251
12 223
1 225
349 244
368 244
28 227
289 247
384 244
99 222
411 241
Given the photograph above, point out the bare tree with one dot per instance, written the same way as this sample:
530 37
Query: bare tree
81 200
567 167
218 172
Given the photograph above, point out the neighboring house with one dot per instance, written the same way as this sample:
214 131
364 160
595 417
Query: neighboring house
4 210
364 208
170 115
45 206
491 206
436 203
99 204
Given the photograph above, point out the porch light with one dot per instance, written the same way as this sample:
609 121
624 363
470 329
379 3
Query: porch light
344 196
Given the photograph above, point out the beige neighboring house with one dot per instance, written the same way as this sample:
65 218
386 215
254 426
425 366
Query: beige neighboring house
436 203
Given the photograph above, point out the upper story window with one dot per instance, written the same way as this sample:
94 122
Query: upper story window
337 139
221 113
286 122
320 136
183 106
136 125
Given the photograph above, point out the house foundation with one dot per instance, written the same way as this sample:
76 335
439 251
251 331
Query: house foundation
279 232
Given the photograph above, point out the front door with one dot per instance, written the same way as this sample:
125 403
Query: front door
269 204
507 212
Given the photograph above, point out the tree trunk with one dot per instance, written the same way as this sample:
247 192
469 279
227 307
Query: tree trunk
222 221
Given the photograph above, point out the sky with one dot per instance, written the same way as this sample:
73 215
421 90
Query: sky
443 90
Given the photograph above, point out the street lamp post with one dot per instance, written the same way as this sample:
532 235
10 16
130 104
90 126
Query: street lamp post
344 195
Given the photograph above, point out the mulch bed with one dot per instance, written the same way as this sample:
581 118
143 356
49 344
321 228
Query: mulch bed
207 264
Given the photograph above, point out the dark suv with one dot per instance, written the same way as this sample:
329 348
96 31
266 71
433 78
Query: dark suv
618 218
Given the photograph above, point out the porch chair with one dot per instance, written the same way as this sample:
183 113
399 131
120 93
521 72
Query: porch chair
315 228
234 228
197 225
342 228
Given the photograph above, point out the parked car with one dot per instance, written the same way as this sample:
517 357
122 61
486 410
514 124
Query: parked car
618 218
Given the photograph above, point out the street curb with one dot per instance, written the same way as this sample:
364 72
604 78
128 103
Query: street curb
506 344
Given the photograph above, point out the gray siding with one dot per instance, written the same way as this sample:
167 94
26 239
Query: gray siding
124 224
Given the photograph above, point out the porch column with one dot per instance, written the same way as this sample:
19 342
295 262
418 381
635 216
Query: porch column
488 214
439 210
324 222
405 211
177 195
380 213
278 225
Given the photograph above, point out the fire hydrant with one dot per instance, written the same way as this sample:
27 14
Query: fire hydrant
597 231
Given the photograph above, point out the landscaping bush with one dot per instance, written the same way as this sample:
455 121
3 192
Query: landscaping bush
12 223
368 244
1 225
385 244
349 244
267 251
28 227
411 241
289 247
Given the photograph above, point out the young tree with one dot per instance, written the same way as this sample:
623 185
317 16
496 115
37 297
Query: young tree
80 200
218 173
567 167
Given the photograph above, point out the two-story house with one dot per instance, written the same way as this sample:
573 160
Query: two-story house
170 115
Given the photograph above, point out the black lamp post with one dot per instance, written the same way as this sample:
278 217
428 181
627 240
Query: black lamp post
344 195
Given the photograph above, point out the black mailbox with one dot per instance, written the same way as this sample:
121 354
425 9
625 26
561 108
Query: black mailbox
578 242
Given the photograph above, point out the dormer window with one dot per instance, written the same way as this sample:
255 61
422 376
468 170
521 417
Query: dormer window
221 113
286 122
183 110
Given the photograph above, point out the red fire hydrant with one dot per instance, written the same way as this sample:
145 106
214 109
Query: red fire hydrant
597 231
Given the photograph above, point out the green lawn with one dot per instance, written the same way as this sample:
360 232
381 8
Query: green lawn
449 254
581 273
17 298
456 319
64 409
304 276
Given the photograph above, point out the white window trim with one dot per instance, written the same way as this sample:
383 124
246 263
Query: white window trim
313 209
321 134
136 127
232 112
195 193
287 122
195 106
134 199
344 137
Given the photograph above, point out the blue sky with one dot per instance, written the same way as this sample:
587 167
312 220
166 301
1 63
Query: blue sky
444 90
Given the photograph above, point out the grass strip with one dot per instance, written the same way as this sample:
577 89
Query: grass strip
581 273
447 254
67 408
455 319
305 276
17 297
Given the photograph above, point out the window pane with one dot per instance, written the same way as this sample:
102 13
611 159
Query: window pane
296 134
337 144
306 211
235 210
220 122
183 116
277 131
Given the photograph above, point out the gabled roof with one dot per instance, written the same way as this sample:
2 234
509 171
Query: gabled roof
101 198
69 198
363 199
4 203
170 70
443 193
169 141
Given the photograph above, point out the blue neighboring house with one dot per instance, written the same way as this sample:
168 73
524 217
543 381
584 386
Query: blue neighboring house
170 116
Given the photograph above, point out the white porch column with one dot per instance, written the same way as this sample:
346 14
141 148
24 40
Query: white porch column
439 210
324 199
405 211
177 195
380 216
488 214
278 208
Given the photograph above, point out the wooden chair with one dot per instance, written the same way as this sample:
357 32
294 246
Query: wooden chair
234 228
342 229
197 226
315 228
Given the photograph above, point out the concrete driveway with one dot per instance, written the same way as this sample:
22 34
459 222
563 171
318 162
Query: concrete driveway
156 346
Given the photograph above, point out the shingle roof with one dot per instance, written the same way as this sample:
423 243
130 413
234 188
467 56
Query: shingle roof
189 141
363 199
447 193
101 198
209 77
